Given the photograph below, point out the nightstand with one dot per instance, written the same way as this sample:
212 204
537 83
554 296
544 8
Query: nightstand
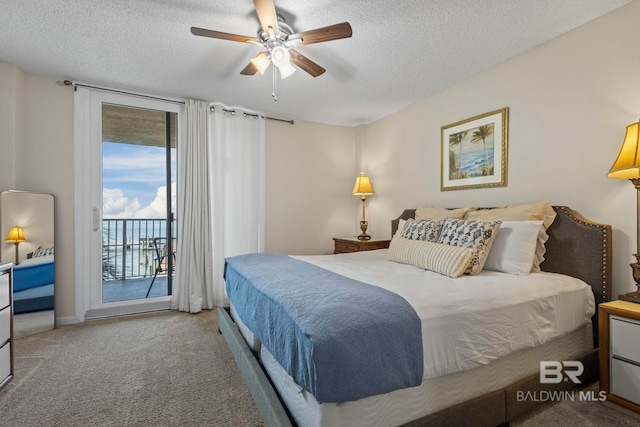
619 331
352 244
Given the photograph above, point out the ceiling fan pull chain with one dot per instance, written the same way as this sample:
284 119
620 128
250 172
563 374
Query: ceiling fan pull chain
273 93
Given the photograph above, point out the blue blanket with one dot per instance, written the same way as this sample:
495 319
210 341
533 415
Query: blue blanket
338 338
32 275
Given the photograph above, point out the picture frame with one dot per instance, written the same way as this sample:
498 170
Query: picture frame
474 152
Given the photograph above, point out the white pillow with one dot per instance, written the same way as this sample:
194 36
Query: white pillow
401 223
514 248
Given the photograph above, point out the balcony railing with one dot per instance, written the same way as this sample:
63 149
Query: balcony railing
127 247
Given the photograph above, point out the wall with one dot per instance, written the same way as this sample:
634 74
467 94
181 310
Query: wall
40 146
10 121
569 103
310 175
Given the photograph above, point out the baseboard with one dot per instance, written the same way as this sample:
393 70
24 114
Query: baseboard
70 320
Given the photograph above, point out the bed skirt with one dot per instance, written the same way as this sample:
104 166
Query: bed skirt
475 408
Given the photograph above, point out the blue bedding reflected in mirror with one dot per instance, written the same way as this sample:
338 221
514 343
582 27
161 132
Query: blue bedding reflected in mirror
27 230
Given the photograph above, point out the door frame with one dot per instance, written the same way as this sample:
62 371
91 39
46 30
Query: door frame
88 199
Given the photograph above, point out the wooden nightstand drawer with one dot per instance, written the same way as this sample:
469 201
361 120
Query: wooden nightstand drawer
352 244
625 380
625 338
345 246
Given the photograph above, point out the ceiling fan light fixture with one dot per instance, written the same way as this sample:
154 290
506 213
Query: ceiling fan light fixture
286 70
261 62
280 56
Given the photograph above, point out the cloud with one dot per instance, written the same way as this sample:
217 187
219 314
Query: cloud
115 205
158 207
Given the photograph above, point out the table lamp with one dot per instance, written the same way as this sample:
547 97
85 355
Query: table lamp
363 188
627 166
15 236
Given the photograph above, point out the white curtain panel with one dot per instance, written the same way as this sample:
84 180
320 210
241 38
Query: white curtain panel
192 290
237 175
221 171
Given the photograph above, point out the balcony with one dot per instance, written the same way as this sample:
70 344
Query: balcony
129 258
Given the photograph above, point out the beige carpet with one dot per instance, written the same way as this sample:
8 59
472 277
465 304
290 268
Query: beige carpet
168 369
162 369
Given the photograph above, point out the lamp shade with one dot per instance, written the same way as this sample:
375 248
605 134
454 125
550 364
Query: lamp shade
15 235
363 186
280 56
286 70
627 165
261 62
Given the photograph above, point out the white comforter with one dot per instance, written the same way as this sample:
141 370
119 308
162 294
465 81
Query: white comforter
470 321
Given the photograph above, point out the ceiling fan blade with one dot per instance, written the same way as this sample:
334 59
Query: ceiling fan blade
324 34
249 70
306 64
267 15
224 36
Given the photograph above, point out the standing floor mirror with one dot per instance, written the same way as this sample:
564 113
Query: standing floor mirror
27 232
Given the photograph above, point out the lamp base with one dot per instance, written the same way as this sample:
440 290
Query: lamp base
631 297
363 227
634 296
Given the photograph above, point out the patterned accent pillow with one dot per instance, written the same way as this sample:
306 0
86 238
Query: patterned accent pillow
422 229
42 252
476 235
448 260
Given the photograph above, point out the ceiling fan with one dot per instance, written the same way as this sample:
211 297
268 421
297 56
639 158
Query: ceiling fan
279 40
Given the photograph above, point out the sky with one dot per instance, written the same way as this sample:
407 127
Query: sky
134 181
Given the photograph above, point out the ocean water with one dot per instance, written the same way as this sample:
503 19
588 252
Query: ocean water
127 248
473 161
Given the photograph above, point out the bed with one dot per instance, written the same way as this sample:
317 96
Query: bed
33 283
552 321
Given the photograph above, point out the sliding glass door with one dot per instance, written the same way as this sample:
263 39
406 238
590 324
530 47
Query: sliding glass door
138 201
126 241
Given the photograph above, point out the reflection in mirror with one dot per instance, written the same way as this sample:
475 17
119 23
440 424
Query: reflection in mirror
27 230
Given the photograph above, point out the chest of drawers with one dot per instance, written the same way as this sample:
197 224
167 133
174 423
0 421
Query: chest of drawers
6 325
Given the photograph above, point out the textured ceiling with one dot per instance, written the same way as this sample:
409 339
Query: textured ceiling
401 51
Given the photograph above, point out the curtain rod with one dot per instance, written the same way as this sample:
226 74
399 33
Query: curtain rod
212 108
75 86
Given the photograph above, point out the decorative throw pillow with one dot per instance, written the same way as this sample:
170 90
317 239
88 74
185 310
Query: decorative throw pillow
436 213
448 260
514 247
42 252
540 211
476 235
422 230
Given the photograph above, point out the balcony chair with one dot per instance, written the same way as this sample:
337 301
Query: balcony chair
161 255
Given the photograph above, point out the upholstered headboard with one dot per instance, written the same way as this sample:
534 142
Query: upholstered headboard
576 247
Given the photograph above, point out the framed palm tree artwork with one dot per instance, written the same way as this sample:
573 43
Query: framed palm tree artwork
474 152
